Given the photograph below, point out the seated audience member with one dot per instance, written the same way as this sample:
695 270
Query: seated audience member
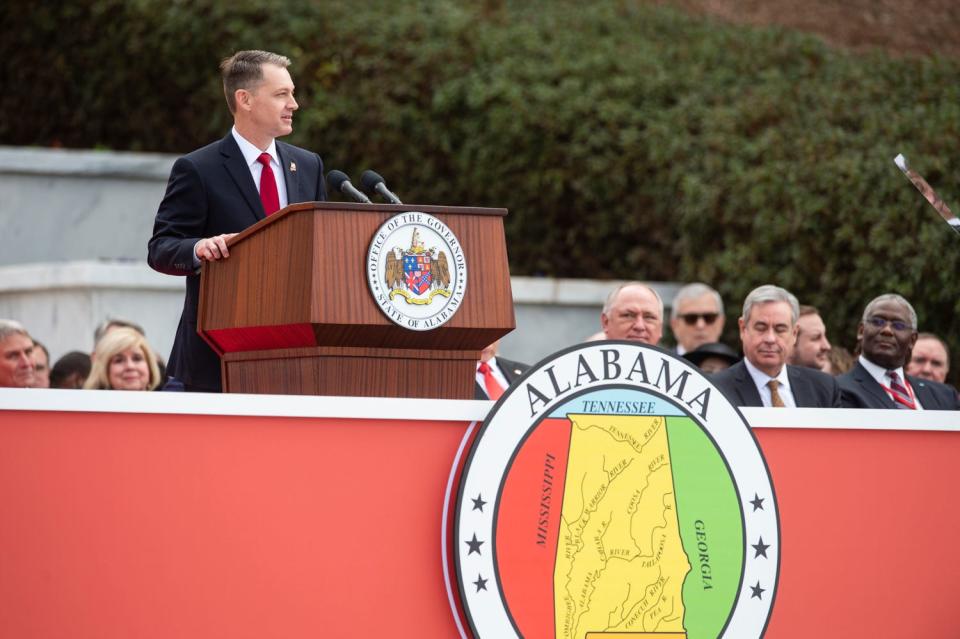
495 374
929 359
696 317
887 333
41 365
124 362
70 371
108 325
712 358
768 330
812 348
634 312
17 369
839 361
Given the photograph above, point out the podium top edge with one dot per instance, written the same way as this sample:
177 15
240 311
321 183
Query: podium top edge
396 208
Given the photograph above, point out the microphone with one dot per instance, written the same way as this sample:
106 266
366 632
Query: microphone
372 182
339 181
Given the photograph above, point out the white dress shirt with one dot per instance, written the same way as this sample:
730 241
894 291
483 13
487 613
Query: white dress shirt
760 379
879 373
250 155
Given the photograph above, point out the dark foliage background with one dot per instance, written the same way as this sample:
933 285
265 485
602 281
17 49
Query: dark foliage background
627 140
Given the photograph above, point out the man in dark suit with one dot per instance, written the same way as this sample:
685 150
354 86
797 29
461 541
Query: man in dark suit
495 374
219 190
887 333
768 330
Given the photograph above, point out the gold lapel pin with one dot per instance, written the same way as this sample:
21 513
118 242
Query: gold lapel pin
293 167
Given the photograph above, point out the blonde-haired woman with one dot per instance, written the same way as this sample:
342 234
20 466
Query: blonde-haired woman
124 361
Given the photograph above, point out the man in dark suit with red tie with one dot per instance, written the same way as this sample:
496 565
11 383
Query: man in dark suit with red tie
887 333
219 190
495 374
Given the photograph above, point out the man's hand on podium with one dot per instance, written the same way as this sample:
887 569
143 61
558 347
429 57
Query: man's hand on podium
212 248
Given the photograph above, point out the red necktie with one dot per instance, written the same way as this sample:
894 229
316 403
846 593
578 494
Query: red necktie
901 396
494 390
268 186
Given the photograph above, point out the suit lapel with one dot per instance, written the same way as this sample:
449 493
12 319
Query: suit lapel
870 385
749 395
803 395
925 395
289 174
240 173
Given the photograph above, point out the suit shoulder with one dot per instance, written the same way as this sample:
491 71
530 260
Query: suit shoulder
204 153
301 155
516 367
727 375
846 379
813 375
945 394
728 381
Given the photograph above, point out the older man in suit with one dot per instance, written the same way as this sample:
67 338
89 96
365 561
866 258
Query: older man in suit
887 333
634 312
768 331
219 190
17 366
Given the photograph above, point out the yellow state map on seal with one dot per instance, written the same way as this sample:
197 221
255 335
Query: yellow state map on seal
620 562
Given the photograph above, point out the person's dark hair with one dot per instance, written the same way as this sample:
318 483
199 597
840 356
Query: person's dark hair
74 364
244 70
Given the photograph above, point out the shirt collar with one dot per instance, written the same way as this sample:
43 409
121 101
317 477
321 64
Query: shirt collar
250 152
760 378
879 373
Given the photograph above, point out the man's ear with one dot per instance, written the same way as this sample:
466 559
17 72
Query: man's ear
242 99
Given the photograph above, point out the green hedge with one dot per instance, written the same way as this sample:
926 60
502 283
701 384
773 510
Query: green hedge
626 140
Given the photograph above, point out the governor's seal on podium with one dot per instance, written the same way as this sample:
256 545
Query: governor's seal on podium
417 271
615 493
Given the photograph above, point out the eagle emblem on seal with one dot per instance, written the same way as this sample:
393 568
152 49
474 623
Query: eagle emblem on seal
417 273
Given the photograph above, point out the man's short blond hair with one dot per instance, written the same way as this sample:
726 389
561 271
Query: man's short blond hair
244 70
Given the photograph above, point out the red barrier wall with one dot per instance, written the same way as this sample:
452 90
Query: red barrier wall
115 524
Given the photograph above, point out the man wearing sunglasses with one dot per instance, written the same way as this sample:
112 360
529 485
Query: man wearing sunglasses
696 317
887 334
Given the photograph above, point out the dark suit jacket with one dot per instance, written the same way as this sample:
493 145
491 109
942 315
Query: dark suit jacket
211 191
510 369
861 390
811 388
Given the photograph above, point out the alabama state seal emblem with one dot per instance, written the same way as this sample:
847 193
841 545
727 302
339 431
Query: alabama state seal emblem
614 493
417 271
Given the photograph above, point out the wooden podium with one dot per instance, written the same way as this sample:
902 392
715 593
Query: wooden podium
290 311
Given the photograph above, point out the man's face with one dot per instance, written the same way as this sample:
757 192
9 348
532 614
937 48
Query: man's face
41 367
812 349
270 105
929 360
883 343
768 335
698 322
16 362
634 315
